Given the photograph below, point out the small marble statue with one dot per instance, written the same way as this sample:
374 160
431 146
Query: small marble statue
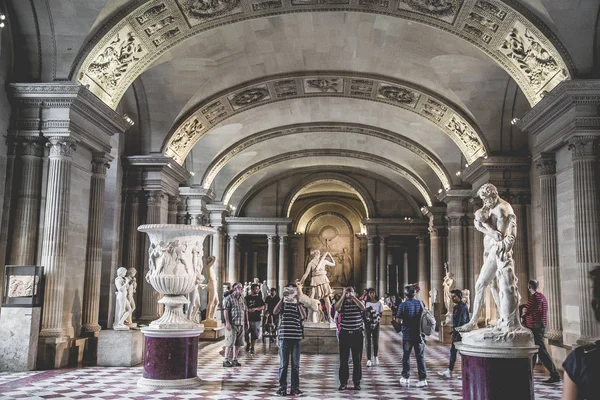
246 289
466 298
449 286
313 305
122 306
131 290
213 301
433 295
264 290
496 219
317 269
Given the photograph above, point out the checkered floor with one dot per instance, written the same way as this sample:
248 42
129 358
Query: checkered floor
256 379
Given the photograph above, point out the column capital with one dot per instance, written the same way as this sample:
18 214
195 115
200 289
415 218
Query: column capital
100 163
583 147
154 197
174 201
272 238
61 146
30 145
546 164
371 240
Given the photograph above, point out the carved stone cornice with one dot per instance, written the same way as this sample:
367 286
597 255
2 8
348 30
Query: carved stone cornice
158 172
584 147
506 172
61 147
546 164
395 226
258 226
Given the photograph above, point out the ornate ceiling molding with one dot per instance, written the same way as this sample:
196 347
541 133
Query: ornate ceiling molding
337 170
320 127
239 179
142 31
447 116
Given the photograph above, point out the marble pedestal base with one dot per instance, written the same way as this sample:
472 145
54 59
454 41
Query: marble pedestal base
319 338
213 330
386 317
445 334
170 358
19 329
120 348
494 369
53 353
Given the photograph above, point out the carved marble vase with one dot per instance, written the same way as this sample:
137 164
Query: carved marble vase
171 351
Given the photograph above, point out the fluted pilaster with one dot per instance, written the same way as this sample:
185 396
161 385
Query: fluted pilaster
520 249
371 262
133 237
382 288
456 250
271 249
547 167
232 273
423 271
55 238
93 259
405 268
283 262
437 268
172 214
254 265
584 151
27 211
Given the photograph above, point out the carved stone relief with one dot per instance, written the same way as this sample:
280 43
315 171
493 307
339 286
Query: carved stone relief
285 88
445 10
470 29
266 5
464 133
492 9
171 33
22 286
152 29
323 85
314 2
185 134
198 11
249 96
374 3
214 111
397 94
151 13
361 87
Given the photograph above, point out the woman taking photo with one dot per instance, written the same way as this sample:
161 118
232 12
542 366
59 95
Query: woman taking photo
373 311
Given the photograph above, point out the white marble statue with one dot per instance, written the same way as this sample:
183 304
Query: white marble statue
264 290
194 296
466 298
131 290
433 296
246 289
122 306
311 304
496 219
213 293
317 269
449 285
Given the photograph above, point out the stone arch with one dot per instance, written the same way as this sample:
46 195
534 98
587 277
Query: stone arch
316 127
201 118
414 179
149 28
317 203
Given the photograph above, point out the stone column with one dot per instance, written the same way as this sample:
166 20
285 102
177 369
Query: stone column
133 236
423 272
173 204
455 250
93 259
254 265
584 151
405 268
437 266
150 306
283 262
371 262
27 211
232 273
382 266
271 272
247 271
56 226
546 164
520 249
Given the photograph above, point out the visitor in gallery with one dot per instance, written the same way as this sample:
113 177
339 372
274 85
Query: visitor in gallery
290 338
336 298
409 314
374 309
236 319
256 305
270 317
350 309
460 316
582 366
536 319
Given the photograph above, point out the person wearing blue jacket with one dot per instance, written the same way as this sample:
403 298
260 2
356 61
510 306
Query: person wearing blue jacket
460 316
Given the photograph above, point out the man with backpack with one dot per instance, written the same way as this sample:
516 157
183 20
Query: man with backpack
460 316
409 313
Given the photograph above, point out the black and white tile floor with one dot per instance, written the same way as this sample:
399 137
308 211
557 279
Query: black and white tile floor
255 379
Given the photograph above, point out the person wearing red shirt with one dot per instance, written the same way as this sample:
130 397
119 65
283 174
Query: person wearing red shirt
536 319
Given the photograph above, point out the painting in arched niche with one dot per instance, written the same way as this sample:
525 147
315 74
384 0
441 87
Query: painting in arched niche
331 232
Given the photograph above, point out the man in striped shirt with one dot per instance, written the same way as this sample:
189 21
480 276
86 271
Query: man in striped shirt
351 337
291 314
536 319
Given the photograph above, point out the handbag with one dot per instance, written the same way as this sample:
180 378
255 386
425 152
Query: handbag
397 325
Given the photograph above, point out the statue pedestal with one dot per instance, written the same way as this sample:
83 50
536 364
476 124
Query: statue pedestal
170 358
496 366
19 330
386 317
445 334
120 348
319 338
213 330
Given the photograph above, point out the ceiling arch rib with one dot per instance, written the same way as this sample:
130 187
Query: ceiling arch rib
339 170
136 36
318 127
436 109
239 179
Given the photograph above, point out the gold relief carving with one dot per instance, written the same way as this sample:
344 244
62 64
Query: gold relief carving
324 85
185 134
116 59
528 53
285 88
477 32
445 10
249 96
166 36
465 134
398 95
152 29
266 5
151 13
492 9
199 11
483 21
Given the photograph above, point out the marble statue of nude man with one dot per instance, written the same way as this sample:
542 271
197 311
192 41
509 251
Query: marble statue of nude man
496 219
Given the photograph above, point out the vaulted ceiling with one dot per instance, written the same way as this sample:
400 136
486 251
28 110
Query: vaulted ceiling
240 91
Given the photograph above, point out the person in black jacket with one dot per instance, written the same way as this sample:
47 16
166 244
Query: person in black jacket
460 316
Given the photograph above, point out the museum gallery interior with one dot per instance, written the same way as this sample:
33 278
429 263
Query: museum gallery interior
154 151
